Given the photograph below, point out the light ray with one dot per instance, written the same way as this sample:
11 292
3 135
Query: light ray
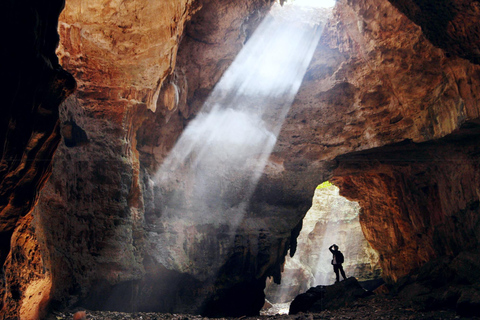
211 173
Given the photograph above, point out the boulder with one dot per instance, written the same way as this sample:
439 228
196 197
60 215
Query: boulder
322 298
444 283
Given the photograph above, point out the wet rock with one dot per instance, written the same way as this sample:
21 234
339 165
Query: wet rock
332 297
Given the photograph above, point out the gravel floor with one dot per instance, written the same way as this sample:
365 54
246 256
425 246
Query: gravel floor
375 307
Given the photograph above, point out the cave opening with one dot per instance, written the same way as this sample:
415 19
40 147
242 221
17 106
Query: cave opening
332 219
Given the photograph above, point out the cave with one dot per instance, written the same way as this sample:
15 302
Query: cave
332 219
98 94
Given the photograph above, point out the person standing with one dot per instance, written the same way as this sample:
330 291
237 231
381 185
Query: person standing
337 262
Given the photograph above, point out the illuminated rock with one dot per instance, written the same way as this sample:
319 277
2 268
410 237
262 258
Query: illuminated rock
331 219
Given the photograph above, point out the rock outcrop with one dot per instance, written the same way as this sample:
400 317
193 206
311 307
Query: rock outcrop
130 108
331 297
426 199
444 283
448 25
390 85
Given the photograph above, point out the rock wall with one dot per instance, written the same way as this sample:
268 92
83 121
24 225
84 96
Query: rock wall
32 89
422 197
377 81
89 219
448 25
130 107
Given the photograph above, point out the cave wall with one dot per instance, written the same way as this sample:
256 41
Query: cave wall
132 104
89 218
424 198
377 80
33 86
450 25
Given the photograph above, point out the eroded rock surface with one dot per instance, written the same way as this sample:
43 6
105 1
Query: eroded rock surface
378 81
33 86
423 195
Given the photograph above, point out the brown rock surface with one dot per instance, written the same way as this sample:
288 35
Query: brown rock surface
33 86
90 214
450 25
99 191
422 197
376 80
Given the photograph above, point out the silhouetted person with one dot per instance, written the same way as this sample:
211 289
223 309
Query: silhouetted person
337 261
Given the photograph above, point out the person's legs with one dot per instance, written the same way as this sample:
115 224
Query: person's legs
335 269
343 272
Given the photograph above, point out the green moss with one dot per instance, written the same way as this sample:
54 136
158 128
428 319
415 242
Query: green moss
326 184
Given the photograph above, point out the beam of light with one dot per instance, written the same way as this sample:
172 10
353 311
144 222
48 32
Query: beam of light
209 176
315 3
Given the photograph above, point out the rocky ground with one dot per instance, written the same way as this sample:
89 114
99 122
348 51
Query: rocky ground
373 307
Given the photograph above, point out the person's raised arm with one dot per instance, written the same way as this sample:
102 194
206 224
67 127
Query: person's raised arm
331 250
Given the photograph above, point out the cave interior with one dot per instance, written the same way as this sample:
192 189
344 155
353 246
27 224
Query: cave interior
97 94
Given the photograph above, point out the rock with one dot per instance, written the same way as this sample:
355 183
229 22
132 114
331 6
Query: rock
468 305
80 315
441 284
459 33
372 285
332 297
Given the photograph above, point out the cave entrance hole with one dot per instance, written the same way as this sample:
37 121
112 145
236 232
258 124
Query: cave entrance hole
332 219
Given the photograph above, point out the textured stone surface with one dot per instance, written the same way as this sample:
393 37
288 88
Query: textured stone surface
99 192
425 197
377 81
33 86
450 25
90 214
446 282
331 297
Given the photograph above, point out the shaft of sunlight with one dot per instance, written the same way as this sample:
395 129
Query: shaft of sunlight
211 173
315 3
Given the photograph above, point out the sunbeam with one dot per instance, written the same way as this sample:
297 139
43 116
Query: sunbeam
211 173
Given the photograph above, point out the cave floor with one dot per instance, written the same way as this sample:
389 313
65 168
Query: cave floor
374 307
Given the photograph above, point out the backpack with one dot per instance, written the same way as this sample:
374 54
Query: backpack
339 257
